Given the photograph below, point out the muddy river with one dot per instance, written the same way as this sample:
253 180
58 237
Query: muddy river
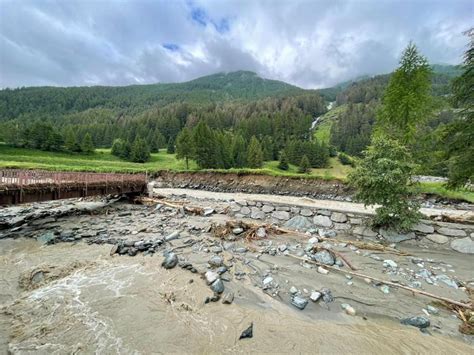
76 298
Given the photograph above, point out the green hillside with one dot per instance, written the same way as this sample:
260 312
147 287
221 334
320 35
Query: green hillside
235 86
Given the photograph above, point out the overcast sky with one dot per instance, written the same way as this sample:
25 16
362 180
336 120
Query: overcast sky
311 44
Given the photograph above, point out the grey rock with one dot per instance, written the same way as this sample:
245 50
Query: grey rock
268 208
324 212
245 210
432 310
313 240
324 257
208 211
306 212
293 290
282 247
450 232
315 296
419 322
342 226
172 236
211 276
390 263
171 260
267 280
322 221
326 233
355 221
283 208
364 231
240 250
447 280
437 238
132 251
228 298
464 245
234 207
257 214
392 236
247 333
46 238
220 270
237 230
241 202
299 223
423 228
217 286
261 232
281 215
216 249
327 295
338 217
299 302
216 261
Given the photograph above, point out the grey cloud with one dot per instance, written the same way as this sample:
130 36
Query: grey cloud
307 43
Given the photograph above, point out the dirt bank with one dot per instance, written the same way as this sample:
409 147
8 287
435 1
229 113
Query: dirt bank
251 183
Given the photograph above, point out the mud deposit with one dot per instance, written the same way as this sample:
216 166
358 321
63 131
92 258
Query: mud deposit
68 294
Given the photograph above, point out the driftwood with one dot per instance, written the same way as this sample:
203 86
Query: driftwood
389 283
249 229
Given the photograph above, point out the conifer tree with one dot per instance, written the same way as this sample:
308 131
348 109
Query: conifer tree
406 101
185 146
170 149
254 154
283 164
239 151
140 152
304 166
70 141
205 146
87 146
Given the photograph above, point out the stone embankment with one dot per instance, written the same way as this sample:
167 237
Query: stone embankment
346 219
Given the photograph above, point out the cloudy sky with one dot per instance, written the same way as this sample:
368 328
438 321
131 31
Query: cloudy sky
309 43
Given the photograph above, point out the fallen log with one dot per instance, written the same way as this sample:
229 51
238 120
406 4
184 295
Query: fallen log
389 283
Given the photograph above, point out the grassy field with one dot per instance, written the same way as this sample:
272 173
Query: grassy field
103 161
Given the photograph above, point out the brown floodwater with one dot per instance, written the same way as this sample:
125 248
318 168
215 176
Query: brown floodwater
76 299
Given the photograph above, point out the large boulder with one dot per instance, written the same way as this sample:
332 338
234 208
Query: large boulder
450 232
299 223
392 236
464 245
322 221
437 238
257 214
423 228
282 215
338 217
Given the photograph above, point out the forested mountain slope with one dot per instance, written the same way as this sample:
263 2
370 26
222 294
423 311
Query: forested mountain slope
222 87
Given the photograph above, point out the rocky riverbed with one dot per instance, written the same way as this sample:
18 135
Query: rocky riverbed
107 276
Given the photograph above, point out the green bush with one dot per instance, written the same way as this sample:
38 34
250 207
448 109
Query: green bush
345 159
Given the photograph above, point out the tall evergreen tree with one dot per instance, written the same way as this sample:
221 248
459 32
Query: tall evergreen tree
185 146
460 134
87 146
304 167
70 141
283 163
254 154
205 146
170 149
239 151
406 101
140 152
